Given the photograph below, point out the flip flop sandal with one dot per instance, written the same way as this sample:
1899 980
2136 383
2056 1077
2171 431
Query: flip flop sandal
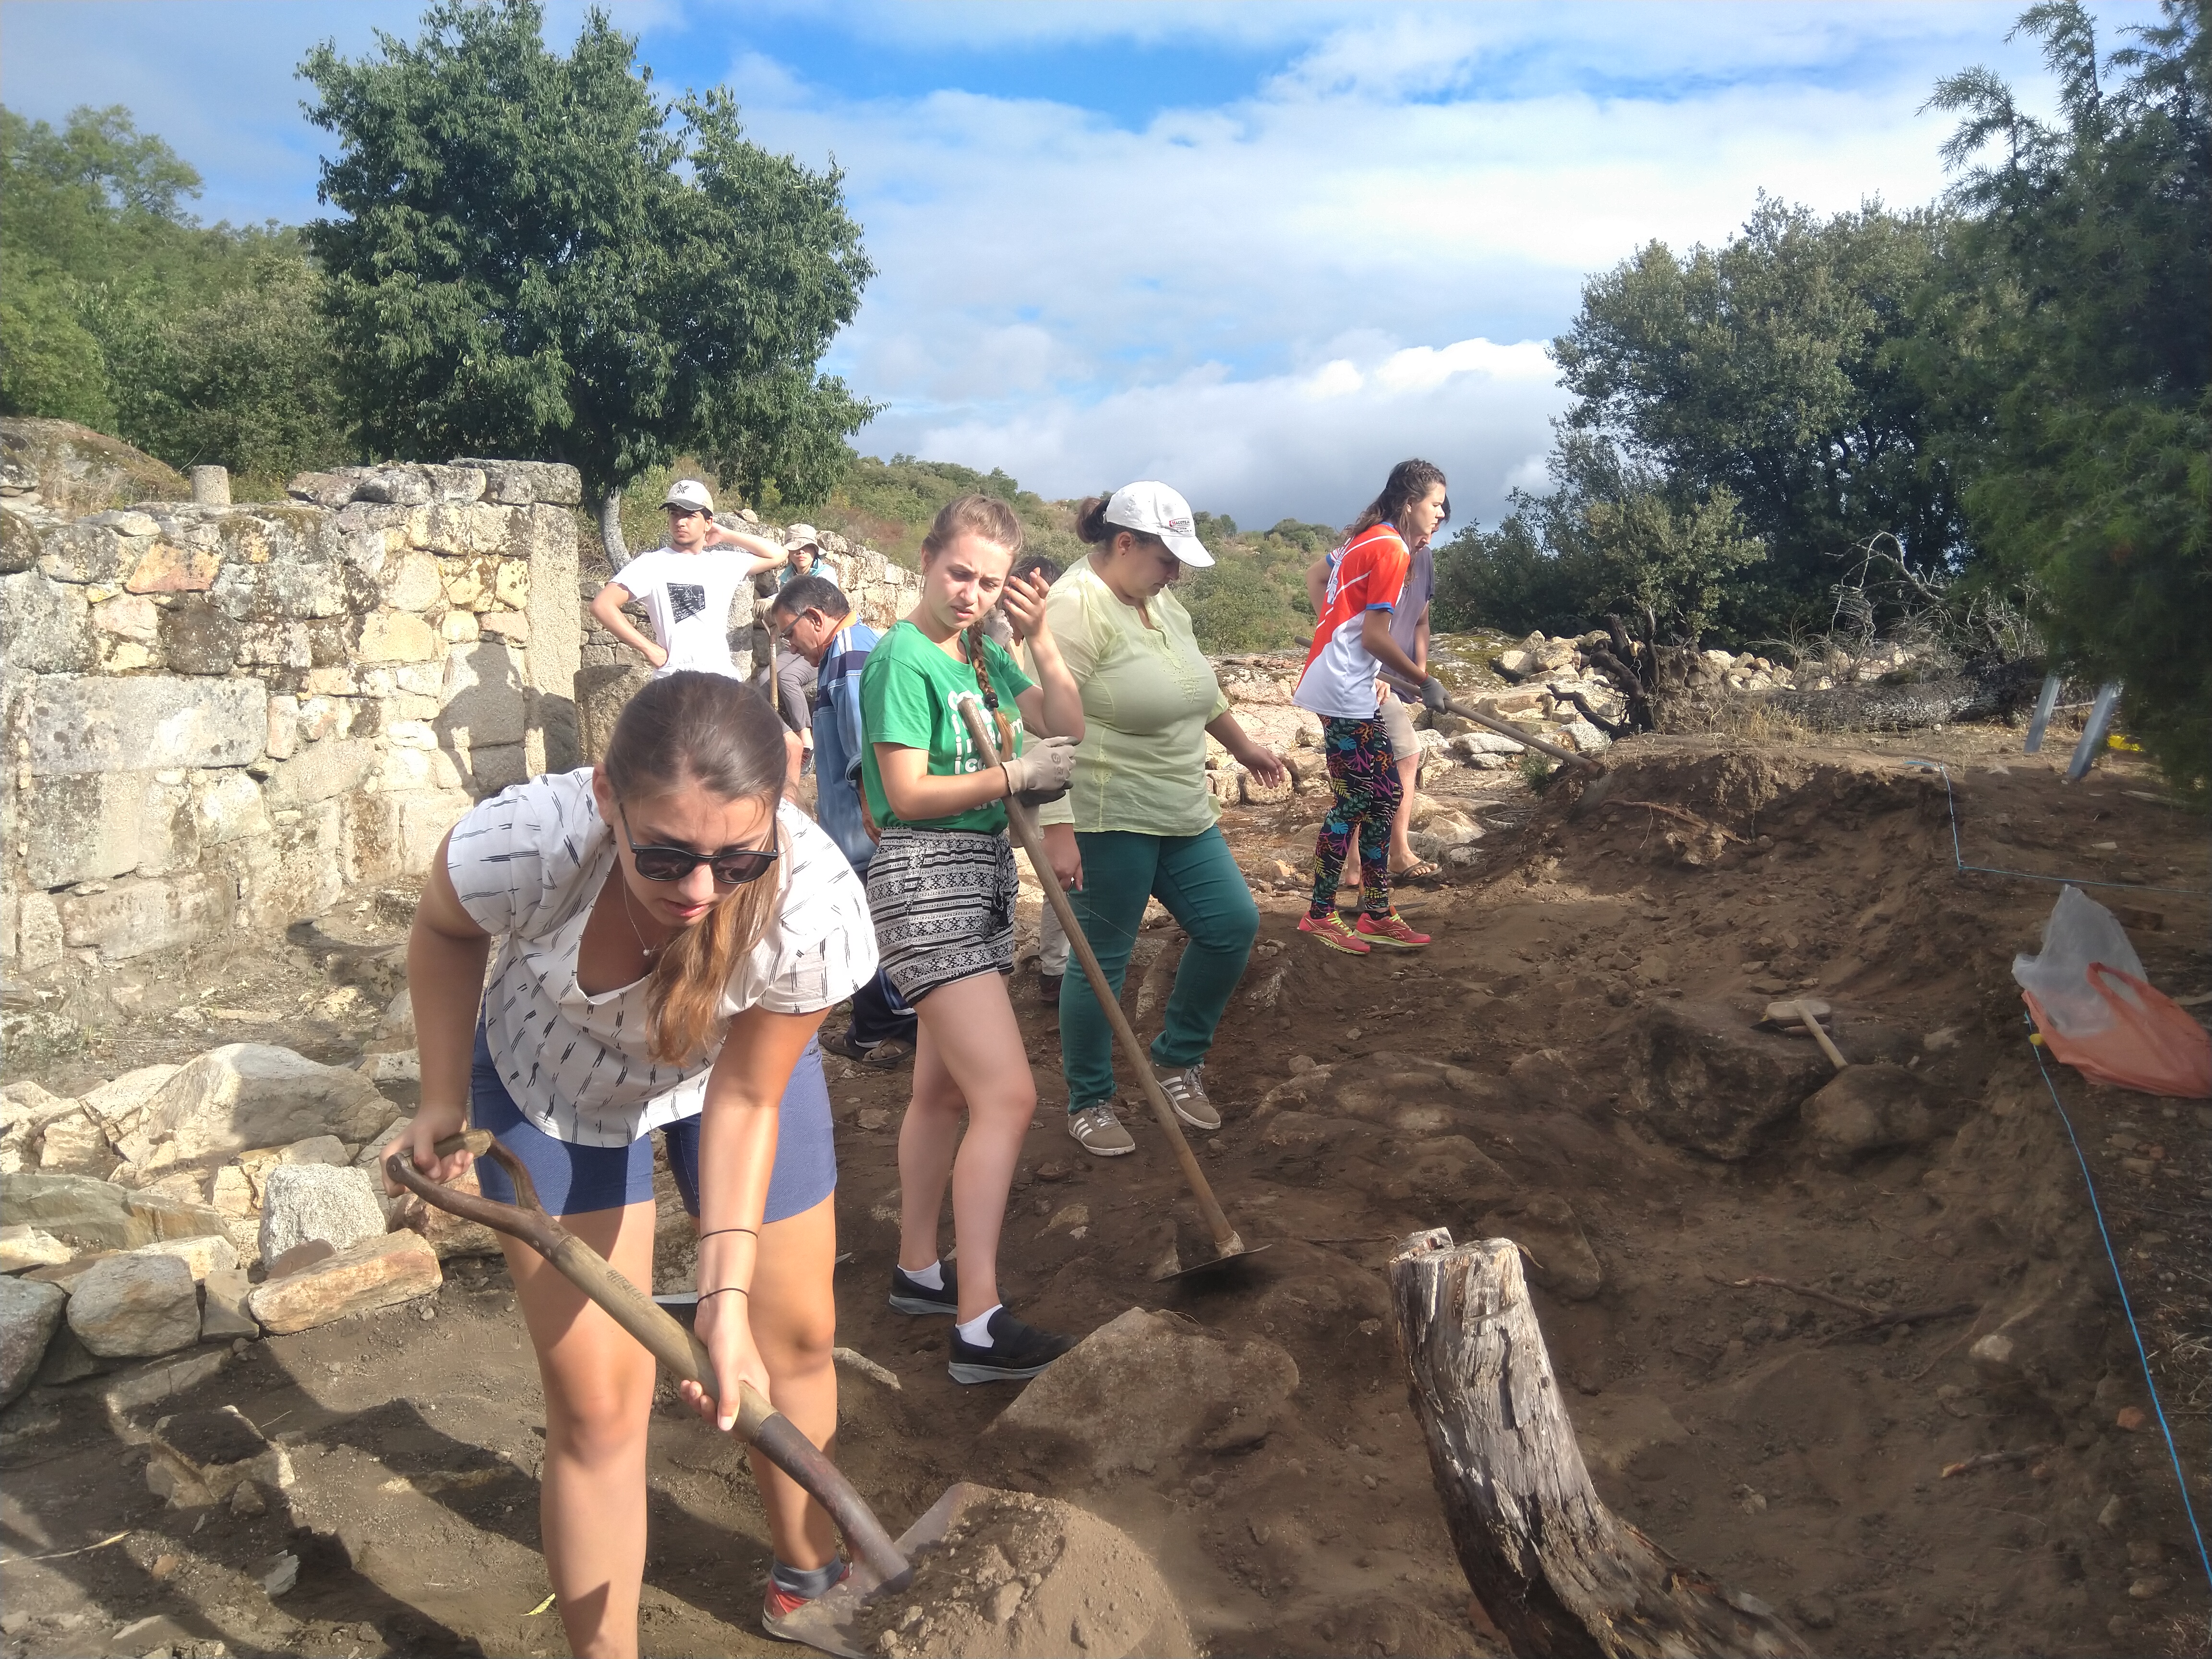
1420 870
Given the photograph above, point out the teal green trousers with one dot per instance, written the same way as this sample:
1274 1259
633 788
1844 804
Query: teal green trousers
1198 881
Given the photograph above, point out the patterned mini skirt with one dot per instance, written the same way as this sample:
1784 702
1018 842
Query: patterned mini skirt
943 905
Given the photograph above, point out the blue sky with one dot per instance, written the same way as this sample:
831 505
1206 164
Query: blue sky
1260 250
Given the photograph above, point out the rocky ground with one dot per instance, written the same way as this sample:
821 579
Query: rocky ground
1572 1064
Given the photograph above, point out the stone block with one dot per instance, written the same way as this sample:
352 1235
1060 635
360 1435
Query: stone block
30 1314
396 486
407 771
483 695
151 1384
223 1312
1705 1081
201 1458
83 827
376 1273
459 628
47 625
506 625
1865 1108
397 636
168 829
333 489
284 727
458 531
94 553
136 916
127 1307
510 585
38 933
97 1215
166 567
292 873
523 484
247 1095
226 806
119 1104
321 771
208 1253
601 695
305 589
304 1202
411 581
448 1235
424 821
73 723
76 1145
198 638
24 1248
129 616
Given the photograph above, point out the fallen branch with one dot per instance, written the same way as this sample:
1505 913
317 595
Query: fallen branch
1558 1572
1615 731
1915 1317
1992 1460
1863 1310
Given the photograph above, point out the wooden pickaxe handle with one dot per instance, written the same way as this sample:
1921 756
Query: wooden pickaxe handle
680 1351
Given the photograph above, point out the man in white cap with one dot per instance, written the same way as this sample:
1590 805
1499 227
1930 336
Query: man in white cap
687 591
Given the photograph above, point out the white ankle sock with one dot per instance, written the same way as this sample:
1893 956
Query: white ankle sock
932 1276
976 1332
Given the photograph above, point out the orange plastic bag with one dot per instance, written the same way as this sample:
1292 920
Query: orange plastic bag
2150 1043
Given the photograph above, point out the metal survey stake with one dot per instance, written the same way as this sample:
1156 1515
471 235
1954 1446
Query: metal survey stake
2045 702
2093 734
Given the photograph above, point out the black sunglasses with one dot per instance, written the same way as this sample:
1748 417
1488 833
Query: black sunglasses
732 869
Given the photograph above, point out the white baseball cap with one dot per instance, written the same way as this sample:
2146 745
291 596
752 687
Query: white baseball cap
690 492
1153 508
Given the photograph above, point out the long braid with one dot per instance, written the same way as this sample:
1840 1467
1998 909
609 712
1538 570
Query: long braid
974 637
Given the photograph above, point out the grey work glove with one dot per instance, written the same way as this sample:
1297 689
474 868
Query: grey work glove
1041 772
1434 697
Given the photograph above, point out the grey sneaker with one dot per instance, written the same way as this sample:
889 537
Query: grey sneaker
1186 1092
1100 1132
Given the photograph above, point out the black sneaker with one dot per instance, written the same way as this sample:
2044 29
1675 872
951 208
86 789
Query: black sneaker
911 1295
1016 1351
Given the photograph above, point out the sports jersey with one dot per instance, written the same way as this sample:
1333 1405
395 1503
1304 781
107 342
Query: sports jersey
1339 679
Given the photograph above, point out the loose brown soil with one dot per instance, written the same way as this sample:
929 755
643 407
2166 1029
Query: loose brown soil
1750 1432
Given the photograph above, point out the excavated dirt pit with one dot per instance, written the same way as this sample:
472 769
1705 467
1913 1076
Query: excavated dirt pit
1571 1064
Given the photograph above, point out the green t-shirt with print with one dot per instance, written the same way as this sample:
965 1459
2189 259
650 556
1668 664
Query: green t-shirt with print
906 693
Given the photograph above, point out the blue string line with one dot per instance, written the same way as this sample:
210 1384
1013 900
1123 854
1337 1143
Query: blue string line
2126 1307
1958 858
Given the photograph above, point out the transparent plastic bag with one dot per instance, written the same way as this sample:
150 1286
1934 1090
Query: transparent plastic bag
2080 931
2098 1013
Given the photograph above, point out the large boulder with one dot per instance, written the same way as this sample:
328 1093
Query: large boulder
120 1104
1867 1109
247 1095
71 470
1704 1079
304 1201
128 1307
1143 1389
97 1215
30 1314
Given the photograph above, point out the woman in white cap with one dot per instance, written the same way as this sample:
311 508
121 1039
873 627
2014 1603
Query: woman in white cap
1139 822
686 589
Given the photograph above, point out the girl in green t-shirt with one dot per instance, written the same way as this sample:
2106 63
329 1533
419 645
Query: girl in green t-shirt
941 888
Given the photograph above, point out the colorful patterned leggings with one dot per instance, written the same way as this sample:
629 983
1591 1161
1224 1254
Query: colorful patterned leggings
1365 779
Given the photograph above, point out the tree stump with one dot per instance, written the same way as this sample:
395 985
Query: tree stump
1558 1573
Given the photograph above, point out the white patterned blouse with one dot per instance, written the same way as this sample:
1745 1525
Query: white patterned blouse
527 864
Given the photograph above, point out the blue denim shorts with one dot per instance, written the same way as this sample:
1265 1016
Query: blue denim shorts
573 1180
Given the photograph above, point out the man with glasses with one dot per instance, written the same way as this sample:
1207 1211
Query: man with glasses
686 590
814 621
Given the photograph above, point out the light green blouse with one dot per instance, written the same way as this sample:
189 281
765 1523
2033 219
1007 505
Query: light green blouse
1148 693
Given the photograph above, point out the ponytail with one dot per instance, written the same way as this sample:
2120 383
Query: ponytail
1408 481
721 734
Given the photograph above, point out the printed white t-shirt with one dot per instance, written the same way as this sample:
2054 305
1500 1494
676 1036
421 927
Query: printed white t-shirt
688 596
527 864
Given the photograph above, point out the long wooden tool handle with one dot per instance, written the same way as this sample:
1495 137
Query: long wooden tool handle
680 1351
1507 728
1813 1024
1026 832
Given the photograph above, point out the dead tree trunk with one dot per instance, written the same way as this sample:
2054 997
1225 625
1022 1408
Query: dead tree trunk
1559 1574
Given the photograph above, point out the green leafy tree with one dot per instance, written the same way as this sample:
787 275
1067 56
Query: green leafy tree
1777 368
119 310
2084 285
538 256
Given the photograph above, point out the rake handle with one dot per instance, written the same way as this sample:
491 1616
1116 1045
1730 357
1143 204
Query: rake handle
759 1424
1026 832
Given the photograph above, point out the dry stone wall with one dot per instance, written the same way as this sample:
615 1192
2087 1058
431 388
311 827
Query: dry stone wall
216 716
